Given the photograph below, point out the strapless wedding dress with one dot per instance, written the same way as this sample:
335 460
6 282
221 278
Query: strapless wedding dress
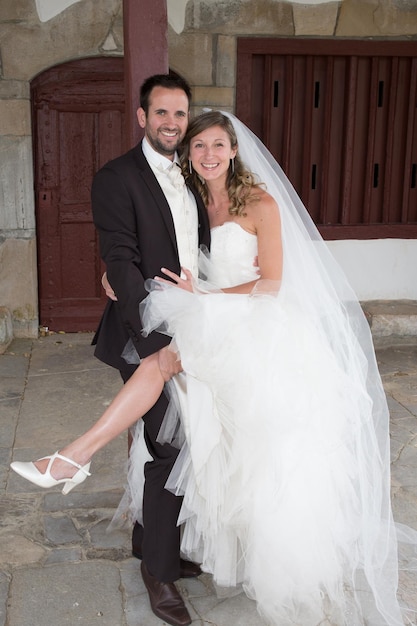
273 468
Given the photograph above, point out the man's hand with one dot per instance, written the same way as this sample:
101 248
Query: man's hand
107 287
169 363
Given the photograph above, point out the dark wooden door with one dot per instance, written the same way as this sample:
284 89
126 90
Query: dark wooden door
78 122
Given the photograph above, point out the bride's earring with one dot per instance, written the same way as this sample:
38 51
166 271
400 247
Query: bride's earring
190 166
232 165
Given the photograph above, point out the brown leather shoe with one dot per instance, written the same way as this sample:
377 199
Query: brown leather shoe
165 600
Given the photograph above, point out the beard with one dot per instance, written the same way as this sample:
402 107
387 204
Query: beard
167 148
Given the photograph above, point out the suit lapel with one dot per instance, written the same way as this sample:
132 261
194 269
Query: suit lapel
162 205
158 195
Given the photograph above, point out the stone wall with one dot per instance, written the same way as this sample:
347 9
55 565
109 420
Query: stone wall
203 51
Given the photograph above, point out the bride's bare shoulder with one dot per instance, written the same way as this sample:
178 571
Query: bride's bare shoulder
260 201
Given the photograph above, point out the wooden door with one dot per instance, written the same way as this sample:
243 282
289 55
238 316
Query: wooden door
78 115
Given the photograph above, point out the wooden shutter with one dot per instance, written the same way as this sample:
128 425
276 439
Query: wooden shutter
341 118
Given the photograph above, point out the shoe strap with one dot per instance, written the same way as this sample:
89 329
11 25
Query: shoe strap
56 455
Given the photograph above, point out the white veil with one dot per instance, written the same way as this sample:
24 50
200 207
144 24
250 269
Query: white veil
312 277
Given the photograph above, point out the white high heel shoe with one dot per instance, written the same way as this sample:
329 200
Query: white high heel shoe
31 473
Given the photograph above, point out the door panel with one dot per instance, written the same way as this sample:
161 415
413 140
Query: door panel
78 114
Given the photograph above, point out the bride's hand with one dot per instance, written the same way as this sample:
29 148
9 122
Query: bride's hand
183 283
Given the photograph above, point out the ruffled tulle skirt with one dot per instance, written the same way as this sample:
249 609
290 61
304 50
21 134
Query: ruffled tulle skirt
280 469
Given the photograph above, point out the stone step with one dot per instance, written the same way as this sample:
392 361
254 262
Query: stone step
392 321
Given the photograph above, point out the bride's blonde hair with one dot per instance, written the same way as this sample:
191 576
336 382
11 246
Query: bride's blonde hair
240 182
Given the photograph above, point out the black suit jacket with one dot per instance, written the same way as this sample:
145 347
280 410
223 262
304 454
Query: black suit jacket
137 238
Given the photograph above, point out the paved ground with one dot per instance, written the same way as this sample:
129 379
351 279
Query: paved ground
58 564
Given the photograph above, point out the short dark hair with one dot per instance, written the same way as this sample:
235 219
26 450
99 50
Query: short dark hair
168 81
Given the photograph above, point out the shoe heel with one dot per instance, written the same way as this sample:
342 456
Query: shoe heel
69 485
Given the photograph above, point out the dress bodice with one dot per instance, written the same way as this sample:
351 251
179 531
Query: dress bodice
233 251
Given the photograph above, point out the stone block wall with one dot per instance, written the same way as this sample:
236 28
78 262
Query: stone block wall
204 52
18 293
202 49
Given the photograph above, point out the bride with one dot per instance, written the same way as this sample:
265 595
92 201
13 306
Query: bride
284 461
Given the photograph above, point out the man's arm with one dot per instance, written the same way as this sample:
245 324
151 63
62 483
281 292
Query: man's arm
115 219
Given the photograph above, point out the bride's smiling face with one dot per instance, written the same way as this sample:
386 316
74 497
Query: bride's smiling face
210 153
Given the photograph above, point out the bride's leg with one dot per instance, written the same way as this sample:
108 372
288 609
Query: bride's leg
135 399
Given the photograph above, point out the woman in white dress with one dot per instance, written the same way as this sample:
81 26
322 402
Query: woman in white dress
284 462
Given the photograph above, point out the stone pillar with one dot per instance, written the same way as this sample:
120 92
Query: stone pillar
18 278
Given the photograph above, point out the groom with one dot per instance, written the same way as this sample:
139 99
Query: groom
147 219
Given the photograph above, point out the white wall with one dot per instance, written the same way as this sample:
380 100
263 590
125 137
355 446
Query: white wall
380 269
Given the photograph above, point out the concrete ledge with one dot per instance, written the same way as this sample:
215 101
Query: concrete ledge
392 321
6 329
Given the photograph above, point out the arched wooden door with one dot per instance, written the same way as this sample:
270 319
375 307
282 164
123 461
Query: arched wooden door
78 114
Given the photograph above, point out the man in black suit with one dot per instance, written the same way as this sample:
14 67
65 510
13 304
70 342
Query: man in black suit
142 227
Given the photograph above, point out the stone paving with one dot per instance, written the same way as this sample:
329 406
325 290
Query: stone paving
59 564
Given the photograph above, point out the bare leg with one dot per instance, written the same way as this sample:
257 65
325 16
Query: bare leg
135 399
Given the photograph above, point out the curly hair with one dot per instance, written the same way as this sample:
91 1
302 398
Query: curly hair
240 182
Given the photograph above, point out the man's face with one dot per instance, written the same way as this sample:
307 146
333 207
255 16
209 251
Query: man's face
167 119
